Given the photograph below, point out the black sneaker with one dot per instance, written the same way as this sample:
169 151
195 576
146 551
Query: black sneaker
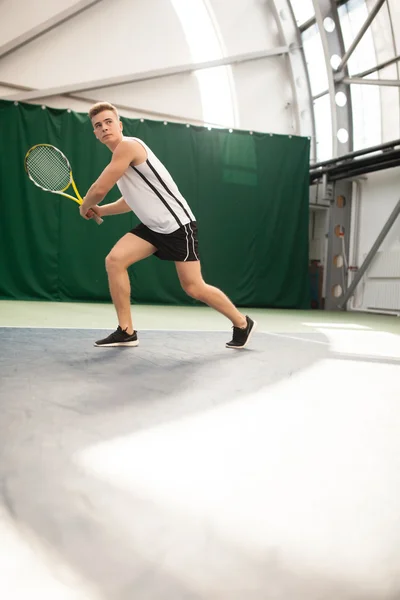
241 337
119 338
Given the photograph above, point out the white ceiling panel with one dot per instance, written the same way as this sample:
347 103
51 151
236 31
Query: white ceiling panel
245 25
110 39
176 95
115 38
18 16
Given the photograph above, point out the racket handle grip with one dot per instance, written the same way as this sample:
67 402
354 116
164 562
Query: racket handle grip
98 219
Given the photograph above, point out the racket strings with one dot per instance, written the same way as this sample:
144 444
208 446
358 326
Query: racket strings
48 168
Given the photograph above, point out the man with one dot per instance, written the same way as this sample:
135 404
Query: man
168 228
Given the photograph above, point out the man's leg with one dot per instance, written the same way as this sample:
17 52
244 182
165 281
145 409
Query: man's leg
128 250
192 282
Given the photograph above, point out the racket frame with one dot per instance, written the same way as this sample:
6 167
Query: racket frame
78 199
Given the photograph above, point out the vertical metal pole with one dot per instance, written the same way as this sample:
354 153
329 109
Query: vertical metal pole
342 118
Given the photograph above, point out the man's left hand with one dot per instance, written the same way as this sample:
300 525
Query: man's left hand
86 213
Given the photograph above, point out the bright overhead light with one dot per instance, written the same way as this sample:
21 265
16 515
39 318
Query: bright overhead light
216 84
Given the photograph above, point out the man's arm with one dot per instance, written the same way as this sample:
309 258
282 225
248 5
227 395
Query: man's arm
122 157
114 208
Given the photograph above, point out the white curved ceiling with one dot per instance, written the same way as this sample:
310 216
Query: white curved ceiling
140 55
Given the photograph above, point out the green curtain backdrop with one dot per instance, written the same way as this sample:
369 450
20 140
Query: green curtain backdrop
249 194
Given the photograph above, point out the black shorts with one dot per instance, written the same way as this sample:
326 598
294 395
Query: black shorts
180 245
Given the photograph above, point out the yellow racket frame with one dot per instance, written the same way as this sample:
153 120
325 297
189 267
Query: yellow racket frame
78 199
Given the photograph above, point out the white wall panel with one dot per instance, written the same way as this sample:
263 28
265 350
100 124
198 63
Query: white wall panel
316 231
380 194
264 96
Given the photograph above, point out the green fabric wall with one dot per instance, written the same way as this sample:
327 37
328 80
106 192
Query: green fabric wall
248 192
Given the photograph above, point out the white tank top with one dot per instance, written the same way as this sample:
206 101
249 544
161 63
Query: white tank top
153 195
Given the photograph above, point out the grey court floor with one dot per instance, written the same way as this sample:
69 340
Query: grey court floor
181 470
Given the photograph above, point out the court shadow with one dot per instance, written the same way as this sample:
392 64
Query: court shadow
182 497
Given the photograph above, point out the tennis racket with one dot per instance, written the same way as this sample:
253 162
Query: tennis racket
50 170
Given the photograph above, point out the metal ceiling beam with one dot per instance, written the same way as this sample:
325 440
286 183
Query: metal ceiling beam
379 67
46 26
361 33
153 113
302 109
118 106
360 81
332 43
355 173
145 76
320 95
14 86
312 21
357 153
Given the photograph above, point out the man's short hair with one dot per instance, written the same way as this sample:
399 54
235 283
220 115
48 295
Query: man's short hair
99 107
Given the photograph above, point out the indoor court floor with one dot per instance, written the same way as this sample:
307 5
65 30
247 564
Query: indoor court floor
182 470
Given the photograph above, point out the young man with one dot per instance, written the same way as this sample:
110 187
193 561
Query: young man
168 227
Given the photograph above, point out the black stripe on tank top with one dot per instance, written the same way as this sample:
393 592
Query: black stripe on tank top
160 179
157 193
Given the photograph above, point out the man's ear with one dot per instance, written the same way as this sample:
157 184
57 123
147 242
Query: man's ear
121 125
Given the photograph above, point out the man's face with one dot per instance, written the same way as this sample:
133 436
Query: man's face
107 127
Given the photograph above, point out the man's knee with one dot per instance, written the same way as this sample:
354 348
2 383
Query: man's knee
194 289
113 262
